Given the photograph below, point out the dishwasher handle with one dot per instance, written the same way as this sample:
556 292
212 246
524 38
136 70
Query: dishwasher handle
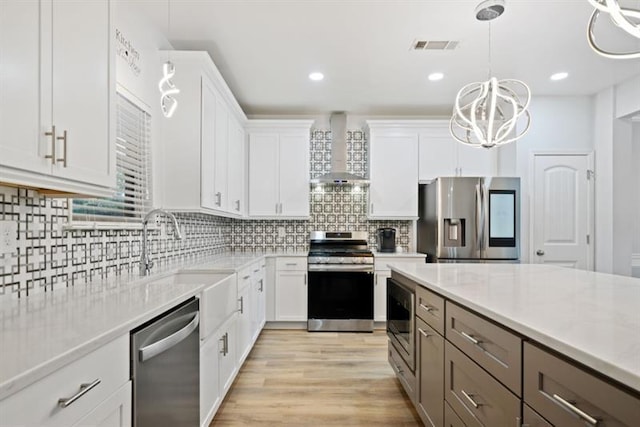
160 346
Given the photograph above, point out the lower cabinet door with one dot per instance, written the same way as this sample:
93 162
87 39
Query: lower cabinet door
380 296
476 396
531 418
451 419
113 412
209 378
244 324
430 374
227 356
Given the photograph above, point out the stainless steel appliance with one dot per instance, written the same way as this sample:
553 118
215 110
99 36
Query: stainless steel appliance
470 219
400 309
165 360
341 282
386 239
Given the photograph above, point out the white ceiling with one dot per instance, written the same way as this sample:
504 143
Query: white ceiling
265 50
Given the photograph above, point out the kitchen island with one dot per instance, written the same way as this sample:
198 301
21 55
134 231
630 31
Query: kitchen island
514 323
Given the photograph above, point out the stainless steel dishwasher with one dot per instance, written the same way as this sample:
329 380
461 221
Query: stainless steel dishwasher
165 364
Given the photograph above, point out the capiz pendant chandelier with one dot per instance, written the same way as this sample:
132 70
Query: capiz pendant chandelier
491 113
624 18
486 113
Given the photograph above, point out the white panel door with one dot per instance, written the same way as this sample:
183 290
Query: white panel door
393 191
22 142
236 167
207 145
221 155
228 353
82 90
294 175
291 296
562 211
263 174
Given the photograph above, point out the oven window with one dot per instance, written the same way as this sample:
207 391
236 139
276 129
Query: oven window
340 295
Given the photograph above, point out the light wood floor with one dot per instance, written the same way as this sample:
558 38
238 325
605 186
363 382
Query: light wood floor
296 378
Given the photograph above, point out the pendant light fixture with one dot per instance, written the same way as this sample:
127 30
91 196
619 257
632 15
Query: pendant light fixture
168 103
624 18
485 114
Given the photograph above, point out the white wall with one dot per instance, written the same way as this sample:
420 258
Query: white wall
557 124
138 70
635 149
628 97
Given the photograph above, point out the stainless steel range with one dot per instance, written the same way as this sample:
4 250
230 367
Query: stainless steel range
341 282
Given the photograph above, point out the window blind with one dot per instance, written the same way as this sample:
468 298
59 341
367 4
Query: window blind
132 198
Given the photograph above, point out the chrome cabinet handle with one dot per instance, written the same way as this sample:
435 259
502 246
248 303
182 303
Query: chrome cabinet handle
261 285
539 252
63 138
245 277
579 412
470 399
52 156
372 208
238 205
470 337
426 307
151 350
84 389
255 271
305 280
426 335
290 264
241 301
218 198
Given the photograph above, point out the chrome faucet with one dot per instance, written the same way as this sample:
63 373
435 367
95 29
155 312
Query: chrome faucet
145 260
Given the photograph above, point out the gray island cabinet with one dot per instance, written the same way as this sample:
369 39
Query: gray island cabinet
513 345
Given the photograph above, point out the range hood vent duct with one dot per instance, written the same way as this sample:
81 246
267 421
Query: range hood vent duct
339 174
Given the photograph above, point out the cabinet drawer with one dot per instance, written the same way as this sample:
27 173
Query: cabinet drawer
492 347
217 303
531 418
567 395
451 419
430 308
37 404
291 263
476 396
404 374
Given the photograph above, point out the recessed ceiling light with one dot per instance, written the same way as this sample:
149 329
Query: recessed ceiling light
559 76
434 77
316 77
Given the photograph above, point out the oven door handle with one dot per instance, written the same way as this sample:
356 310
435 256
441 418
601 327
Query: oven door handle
341 268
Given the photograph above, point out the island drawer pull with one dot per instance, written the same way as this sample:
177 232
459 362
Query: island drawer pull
84 389
427 307
571 407
469 397
426 335
470 338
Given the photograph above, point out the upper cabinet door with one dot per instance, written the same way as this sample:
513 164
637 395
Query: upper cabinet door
393 169
263 174
476 161
207 145
294 175
236 167
21 135
83 87
437 155
221 159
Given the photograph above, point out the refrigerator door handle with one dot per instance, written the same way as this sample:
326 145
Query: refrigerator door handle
479 218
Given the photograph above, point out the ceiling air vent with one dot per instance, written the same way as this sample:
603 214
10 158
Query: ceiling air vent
434 45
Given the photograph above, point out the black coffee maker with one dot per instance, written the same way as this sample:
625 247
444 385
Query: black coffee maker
386 239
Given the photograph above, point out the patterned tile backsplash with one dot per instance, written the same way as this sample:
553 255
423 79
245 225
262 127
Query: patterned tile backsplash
50 256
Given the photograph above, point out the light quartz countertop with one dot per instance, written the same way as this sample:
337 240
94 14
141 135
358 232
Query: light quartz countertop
592 318
43 332
399 255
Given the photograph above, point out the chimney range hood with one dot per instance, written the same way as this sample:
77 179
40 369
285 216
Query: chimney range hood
339 174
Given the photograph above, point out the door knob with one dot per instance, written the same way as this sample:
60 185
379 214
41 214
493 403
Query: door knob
539 252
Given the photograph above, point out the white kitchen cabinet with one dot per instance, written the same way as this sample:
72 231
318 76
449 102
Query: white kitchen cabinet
210 396
441 155
228 354
393 172
203 161
291 289
259 297
113 412
279 168
246 307
106 368
56 112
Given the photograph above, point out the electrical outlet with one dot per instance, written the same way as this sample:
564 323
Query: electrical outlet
8 237
281 232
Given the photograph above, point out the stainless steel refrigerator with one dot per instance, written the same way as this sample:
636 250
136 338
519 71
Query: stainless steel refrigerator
469 219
